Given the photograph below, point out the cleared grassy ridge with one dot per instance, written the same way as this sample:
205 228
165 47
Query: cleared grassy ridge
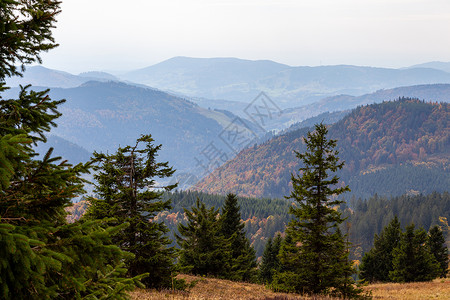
210 288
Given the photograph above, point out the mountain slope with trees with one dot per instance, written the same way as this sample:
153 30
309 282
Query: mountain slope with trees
389 148
101 116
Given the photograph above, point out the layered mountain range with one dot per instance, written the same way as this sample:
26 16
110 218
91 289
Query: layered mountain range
241 80
193 104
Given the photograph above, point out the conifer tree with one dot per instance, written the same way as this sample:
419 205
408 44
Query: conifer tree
204 250
315 262
270 260
436 242
41 255
377 263
126 192
412 259
243 260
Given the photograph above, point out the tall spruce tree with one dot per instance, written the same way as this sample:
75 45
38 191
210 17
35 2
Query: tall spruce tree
243 259
41 255
126 192
377 263
412 259
438 248
204 250
315 262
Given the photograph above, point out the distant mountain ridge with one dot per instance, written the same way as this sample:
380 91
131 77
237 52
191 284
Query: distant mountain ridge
242 80
41 76
69 151
438 65
428 92
389 148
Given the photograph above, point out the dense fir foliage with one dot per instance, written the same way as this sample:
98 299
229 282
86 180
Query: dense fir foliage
377 263
41 255
412 255
126 192
270 262
26 30
438 248
315 260
243 260
369 217
215 244
204 250
412 259
263 218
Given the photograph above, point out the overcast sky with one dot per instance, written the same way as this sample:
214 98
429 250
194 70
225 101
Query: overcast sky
125 35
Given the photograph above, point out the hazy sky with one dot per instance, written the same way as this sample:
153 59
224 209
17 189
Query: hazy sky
124 35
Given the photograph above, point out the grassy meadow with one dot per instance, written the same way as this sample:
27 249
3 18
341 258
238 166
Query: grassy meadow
211 288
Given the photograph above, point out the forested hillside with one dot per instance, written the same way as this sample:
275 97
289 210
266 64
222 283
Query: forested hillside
389 148
265 217
368 217
100 116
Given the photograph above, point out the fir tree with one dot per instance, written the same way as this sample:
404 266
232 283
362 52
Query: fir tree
412 258
243 260
204 250
316 259
41 255
436 242
126 192
377 263
270 261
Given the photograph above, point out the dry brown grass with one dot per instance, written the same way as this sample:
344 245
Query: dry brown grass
438 289
214 289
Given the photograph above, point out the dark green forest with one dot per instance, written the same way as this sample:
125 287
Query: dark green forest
368 217
263 218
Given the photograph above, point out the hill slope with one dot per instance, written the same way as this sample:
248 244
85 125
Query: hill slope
389 148
41 76
101 116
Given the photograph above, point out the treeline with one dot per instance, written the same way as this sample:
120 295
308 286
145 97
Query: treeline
408 255
263 218
366 218
405 256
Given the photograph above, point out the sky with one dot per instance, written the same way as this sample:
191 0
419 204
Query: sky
116 36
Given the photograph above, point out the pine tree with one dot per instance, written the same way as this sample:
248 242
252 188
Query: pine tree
377 263
316 259
243 260
126 192
436 242
412 258
204 250
270 261
41 255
